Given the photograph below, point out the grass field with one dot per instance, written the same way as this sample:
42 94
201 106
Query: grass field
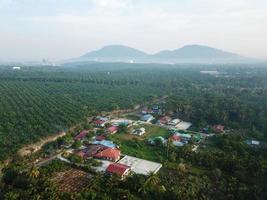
137 145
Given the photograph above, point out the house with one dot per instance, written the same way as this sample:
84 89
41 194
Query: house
106 143
90 151
140 166
99 138
174 122
99 123
178 143
198 137
119 122
183 125
119 169
157 109
16 68
165 120
147 118
109 154
205 130
106 118
139 131
253 142
157 140
146 111
81 135
184 136
82 153
113 129
175 137
218 128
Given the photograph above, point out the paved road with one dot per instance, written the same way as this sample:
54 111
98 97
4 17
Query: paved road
47 160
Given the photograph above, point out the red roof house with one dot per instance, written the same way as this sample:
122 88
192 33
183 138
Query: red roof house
81 135
81 153
165 120
100 137
146 111
218 128
109 154
119 169
100 123
175 138
113 129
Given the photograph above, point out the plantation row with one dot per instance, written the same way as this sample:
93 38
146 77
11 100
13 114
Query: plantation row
38 101
32 109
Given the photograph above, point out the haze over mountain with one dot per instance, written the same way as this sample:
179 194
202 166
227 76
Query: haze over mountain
186 54
115 52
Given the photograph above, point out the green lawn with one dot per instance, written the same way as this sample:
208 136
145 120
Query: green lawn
137 146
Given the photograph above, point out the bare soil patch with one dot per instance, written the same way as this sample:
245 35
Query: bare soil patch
72 180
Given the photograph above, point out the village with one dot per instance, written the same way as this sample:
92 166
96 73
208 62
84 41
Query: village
106 147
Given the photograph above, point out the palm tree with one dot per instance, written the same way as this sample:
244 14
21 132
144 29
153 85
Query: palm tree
11 195
34 172
152 180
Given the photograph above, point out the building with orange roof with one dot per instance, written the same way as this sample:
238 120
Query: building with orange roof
109 154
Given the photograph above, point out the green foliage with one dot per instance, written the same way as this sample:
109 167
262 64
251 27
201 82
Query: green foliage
36 102
77 144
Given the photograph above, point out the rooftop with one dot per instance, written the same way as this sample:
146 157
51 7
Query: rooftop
117 168
140 166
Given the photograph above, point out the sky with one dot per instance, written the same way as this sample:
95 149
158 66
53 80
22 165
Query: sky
31 30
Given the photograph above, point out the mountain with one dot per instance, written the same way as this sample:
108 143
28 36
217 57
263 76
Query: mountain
186 54
195 51
115 53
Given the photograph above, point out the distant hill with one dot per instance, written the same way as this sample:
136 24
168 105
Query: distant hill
186 54
115 53
195 51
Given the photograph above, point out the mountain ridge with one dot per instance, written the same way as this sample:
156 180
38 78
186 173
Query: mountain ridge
194 53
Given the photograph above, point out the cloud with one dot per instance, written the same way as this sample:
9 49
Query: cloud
112 3
73 27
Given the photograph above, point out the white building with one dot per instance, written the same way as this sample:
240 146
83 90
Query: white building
174 122
140 166
147 118
139 132
16 68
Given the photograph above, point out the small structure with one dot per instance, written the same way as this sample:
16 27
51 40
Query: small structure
16 68
174 122
147 118
157 140
120 169
139 131
140 166
113 129
90 151
175 137
183 125
105 118
81 135
218 128
205 130
109 154
99 138
99 123
253 142
123 122
165 120
106 143
184 136
146 111
178 143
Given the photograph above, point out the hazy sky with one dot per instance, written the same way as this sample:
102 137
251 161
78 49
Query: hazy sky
60 29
